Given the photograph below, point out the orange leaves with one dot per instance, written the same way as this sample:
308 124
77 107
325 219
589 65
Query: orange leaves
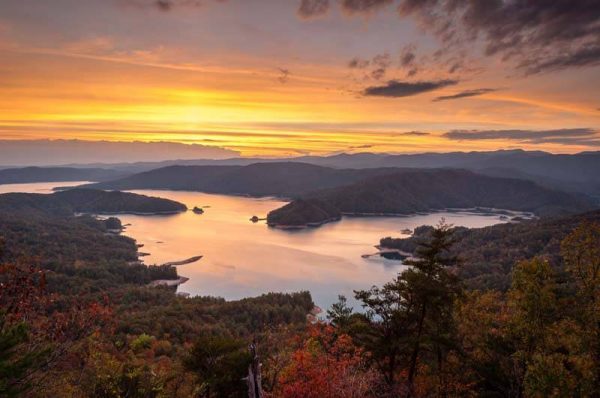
327 365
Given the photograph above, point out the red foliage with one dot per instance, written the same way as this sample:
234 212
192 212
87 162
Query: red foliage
50 317
327 365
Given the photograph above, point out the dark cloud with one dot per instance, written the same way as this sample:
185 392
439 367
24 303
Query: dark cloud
395 88
408 56
358 63
363 6
465 94
538 36
577 136
415 133
380 63
312 8
167 5
284 75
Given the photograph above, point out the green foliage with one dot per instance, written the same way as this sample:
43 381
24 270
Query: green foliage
489 254
17 360
141 342
220 364
412 315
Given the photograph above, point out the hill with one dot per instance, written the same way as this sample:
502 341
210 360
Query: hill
52 174
567 172
66 203
489 254
303 213
417 191
286 179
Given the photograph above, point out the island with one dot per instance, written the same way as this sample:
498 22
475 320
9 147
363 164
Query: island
303 213
198 210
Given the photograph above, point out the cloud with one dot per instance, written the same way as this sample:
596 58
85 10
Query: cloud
358 63
365 146
309 9
166 5
53 152
575 136
465 94
381 63
415 133
395 88
284 75
538 36
363 6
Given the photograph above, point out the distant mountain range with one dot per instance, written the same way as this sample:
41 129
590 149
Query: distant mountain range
570 172
285 179
326 192
52 174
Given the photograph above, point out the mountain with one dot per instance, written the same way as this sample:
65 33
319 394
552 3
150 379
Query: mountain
569 172
414 191
51 174
489 254
86 201
285 179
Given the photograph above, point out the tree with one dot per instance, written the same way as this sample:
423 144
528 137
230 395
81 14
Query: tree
581 253
220 364
16 360
328 364
38 329
339 314
413 314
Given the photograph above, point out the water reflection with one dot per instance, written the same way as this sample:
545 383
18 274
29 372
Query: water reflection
244 259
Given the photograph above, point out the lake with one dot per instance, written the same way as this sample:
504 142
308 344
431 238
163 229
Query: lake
243 259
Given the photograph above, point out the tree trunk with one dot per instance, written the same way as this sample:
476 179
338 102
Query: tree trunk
415 355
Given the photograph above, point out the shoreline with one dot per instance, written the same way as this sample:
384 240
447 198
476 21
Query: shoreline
524 215
169 282
182 262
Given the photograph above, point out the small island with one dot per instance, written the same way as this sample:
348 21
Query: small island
303 213
198 210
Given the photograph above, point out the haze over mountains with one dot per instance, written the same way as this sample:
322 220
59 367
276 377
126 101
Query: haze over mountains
58 152
570 172
370 191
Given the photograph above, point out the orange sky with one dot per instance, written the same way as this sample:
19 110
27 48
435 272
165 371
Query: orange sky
266 83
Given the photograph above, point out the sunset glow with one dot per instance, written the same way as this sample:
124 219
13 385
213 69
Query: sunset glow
267 80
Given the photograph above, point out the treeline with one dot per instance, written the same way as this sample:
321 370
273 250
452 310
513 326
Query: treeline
489 254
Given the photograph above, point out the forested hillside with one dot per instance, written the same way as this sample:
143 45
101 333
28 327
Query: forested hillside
410 192
489 254
87 201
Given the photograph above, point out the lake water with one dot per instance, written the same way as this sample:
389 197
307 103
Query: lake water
243 259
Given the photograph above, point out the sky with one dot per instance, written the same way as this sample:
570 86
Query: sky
295 77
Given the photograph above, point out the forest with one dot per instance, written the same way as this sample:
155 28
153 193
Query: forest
75 324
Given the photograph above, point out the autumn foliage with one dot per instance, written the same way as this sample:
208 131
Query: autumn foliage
328 364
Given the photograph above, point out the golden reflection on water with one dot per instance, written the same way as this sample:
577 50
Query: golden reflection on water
244 259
